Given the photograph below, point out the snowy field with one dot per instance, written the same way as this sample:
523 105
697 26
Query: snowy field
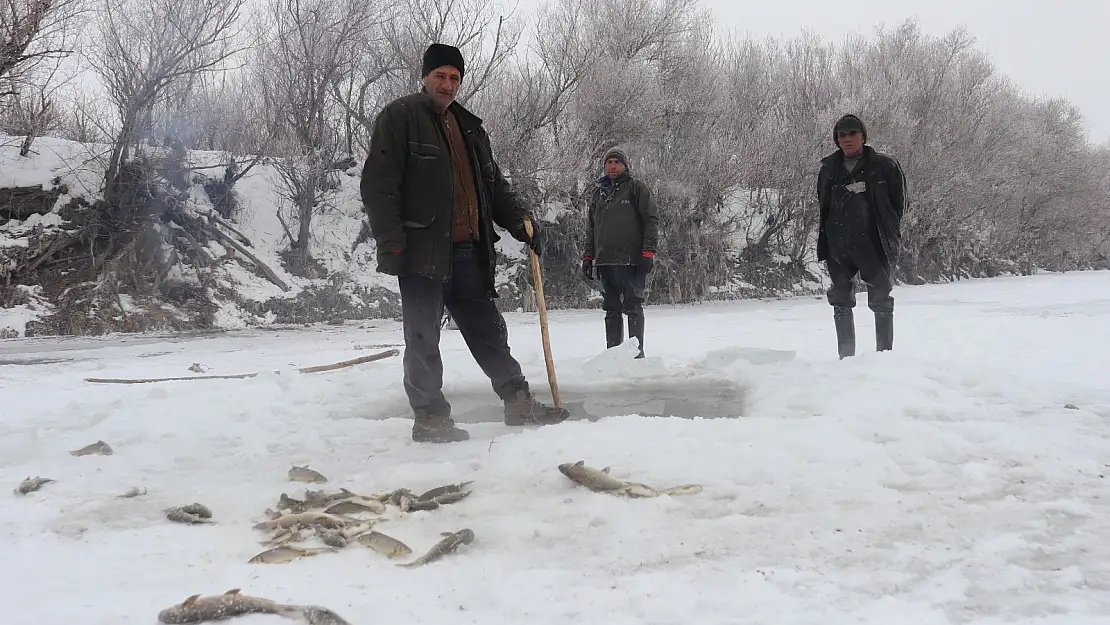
944 482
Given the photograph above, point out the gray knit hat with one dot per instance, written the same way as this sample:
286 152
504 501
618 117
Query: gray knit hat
619 155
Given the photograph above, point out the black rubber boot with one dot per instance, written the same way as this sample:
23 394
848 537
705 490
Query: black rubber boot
884 331
845 331
636 329
614 331
433 428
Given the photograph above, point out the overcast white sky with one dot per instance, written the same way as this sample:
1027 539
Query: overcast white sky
1054 48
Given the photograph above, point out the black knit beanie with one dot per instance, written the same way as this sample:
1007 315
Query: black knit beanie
848 122
438 55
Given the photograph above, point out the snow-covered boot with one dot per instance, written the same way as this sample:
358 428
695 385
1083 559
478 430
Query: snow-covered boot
636 329
614 331
884 331
845 331
429 427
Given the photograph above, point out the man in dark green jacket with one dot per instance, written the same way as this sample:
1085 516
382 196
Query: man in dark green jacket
621 238
862 194
433 193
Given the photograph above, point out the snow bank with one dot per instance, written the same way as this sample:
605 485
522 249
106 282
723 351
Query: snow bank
944 482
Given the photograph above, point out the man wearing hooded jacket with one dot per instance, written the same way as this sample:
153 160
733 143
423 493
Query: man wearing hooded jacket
862 195
621 235
433 192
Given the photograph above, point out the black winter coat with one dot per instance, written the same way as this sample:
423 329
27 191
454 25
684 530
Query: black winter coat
886 196
407 188
623 221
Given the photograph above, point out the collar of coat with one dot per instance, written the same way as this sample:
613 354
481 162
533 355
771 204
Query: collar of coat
867 155
604 181
467 120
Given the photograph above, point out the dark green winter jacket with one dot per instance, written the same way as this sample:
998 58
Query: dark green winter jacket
623 221
407 188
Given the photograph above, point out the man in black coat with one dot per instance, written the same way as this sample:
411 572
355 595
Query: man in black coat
862 194
621 236
433 192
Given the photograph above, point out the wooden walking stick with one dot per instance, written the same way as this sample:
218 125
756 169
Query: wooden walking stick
537 280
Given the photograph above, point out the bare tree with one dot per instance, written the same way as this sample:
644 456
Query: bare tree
145 46
310 44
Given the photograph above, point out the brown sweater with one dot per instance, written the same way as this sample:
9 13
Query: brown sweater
464 220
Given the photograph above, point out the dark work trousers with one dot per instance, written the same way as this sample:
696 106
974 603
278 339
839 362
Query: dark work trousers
482 327
622 292
868 262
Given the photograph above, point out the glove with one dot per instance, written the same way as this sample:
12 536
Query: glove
391 262
647 262
537 239
588 268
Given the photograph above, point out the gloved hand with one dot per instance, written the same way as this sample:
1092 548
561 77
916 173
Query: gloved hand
588 268
391 262
647 262
537 239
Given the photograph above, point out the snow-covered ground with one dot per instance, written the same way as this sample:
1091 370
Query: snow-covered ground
944 482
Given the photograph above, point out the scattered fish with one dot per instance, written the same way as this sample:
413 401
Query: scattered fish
134 491
600 481
285 553
196 367
99 448
450 498
283 536
401 498
198 609
305 474
444 490
317 615
448 544
1071 406
386 545
31 484
329 521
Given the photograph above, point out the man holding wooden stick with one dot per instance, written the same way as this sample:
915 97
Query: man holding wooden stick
433 193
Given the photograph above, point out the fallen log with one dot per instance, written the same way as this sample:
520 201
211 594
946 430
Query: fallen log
211 214
269 273
314 369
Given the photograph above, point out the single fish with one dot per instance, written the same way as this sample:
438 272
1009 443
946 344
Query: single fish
322 519
448 544
387 545
305 474
414 505
180 515
450 498
285 502
285 553
601 481
198 609
443 490
134 491
198 509
317 615
283 536
591 478
31 484
356 506
99 448
401 498
332 538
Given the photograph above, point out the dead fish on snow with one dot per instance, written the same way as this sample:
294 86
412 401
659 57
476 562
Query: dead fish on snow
317 615
305 474
329 521
198 609
99 448
386 545
356 505
600 481
193 513
285 553
31 484
331 538
134 491
439 491
448 544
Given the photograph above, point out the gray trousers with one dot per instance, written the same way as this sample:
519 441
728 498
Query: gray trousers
482 327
